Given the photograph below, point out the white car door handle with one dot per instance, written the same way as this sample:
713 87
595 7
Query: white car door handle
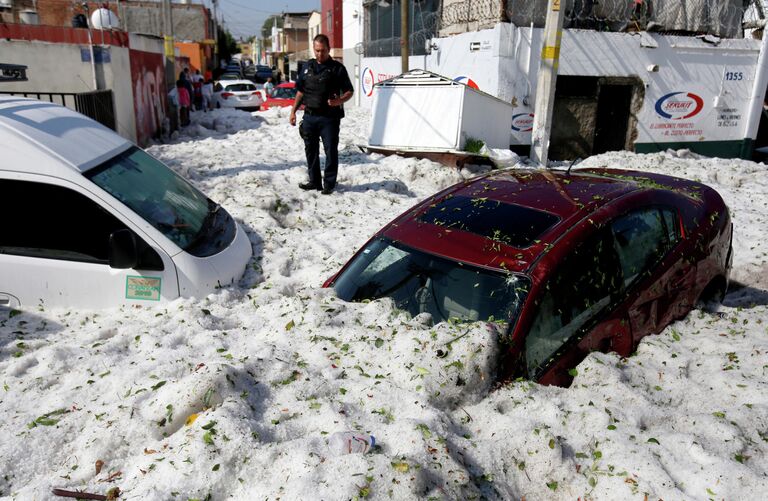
8 300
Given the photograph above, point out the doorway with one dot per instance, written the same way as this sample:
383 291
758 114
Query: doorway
612 122
593 115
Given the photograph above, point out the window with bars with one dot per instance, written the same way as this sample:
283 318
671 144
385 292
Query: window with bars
383 26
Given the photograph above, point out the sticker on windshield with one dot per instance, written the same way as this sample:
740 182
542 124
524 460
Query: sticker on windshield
147 288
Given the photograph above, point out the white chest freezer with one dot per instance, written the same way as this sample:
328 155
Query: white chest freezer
423 111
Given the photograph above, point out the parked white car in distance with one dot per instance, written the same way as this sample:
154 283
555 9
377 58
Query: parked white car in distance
242 94
94 221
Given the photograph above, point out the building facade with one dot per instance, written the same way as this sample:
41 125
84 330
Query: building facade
333 26
352 41
129 65
294 43
315 26
629 77
192 22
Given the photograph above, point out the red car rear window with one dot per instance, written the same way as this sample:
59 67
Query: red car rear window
506 223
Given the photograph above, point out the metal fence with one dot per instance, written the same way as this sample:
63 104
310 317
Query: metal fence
98 104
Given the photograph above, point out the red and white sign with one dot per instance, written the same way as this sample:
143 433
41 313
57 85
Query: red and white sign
522 122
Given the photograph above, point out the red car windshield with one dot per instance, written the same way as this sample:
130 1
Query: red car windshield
284 93
422 283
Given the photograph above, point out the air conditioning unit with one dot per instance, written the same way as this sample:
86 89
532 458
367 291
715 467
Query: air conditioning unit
6 4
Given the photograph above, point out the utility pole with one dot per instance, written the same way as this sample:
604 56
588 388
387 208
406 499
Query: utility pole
758 92
547 80
170 51
404 36
90 46
215 36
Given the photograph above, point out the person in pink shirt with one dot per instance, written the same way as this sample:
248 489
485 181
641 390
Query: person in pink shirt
184 103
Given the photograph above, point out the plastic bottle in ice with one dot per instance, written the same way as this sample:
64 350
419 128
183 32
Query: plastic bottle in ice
349 442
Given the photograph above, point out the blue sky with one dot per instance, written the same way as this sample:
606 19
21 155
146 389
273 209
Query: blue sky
245 17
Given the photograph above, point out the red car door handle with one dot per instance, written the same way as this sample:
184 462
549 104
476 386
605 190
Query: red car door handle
678 280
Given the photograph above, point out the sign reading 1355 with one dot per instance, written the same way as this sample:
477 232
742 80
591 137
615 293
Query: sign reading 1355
734 75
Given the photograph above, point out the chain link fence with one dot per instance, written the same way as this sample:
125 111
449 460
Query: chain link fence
433 18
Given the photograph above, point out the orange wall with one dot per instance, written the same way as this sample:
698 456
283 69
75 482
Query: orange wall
195 53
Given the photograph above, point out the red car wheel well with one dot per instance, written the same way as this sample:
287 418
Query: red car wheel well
714 291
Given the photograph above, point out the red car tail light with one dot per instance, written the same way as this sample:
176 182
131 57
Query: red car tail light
226 94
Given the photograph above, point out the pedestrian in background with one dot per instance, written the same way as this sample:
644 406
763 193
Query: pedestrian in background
187 81
184 102
197 86
207 95
323 87
269 86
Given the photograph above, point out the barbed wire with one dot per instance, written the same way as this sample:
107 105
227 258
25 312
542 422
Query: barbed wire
471 11
722 18
718 17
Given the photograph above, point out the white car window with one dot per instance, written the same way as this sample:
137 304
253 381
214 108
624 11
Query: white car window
156 193
240 87
68 226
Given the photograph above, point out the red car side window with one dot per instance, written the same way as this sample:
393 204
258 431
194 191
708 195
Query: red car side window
672 225
580 288
641 239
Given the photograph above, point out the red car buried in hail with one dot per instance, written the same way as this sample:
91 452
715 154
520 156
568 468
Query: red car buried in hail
283 95
565 262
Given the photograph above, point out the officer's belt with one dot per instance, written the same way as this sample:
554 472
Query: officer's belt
328 112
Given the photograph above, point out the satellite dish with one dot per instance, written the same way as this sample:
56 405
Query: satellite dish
104 19
359 48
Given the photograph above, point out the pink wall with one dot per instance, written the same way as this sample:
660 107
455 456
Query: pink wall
148 79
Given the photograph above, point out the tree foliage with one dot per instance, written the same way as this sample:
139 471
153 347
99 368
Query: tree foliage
227 45
266 28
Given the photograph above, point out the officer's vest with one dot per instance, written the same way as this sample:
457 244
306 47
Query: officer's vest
318 88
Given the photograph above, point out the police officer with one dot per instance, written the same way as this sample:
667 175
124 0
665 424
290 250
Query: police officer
323 86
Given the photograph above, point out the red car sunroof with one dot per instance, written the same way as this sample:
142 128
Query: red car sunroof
510 224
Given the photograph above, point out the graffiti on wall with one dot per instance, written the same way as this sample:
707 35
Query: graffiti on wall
149 96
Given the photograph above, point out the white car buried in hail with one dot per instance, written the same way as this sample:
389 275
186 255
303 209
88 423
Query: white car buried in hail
241 94
90 220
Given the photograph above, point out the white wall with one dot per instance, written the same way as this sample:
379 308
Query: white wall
721 76
57 67
51 67
118 78
146 43
503 61
352 22
471 56
377 69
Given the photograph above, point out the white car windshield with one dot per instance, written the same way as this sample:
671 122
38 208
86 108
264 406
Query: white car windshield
156 193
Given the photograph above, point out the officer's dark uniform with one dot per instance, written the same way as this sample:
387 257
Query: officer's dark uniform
319 83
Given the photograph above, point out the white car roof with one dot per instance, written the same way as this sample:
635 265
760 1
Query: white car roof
31 130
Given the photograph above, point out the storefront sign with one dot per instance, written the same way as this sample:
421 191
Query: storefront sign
679 105
522 122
